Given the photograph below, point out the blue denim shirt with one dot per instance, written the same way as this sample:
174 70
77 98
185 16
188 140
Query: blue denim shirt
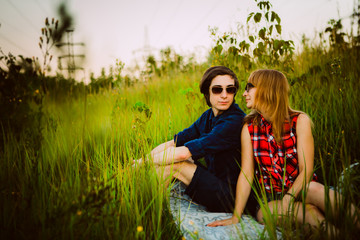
217 139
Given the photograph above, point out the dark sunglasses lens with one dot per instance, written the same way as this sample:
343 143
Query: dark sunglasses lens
216 90
248 86
231 90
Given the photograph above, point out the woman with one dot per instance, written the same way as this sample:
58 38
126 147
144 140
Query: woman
280 140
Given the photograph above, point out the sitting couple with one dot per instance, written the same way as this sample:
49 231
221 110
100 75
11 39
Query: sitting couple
272 148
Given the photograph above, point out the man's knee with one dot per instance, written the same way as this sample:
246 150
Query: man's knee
183 171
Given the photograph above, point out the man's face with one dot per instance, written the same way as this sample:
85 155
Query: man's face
221 101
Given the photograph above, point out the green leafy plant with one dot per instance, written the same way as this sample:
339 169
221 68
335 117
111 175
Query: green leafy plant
264 47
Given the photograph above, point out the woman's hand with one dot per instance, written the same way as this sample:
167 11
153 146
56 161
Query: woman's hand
286 204
225 222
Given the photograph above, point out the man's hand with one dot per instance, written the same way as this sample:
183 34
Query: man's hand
137 162
225 222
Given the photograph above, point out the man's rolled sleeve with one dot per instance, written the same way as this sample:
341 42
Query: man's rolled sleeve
186 135
224 136
196 148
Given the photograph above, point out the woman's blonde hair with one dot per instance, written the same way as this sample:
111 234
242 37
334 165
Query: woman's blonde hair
271 98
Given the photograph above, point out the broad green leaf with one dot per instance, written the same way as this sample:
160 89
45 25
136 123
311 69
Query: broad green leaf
276 45
257 17
262 33
278 28
272 16
261 46
278 20
251 38
249 17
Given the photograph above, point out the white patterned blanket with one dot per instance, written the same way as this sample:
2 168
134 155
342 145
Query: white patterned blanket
192 219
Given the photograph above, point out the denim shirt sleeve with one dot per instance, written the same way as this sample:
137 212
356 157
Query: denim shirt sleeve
225 135
189 133
186 135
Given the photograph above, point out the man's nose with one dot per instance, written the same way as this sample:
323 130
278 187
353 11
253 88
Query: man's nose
223 93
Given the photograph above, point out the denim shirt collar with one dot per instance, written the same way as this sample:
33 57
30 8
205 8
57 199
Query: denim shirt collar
214 119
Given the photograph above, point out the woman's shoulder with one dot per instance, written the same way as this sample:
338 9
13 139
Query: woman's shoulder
303 117
303 121
298 115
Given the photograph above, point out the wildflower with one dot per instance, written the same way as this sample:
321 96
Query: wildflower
20 100
140 228
79 212
183 238
191 222
37 91
196 232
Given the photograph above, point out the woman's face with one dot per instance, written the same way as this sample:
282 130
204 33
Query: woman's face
249 94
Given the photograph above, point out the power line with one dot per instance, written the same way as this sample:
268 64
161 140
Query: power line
14 44
23 16
155 13
201 21
15 28
170 21
41 7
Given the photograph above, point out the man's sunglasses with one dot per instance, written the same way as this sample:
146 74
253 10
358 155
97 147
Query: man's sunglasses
218 90
249 86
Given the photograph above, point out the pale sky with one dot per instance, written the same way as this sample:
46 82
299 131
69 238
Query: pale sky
119 29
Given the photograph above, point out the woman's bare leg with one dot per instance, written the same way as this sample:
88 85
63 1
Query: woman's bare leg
312 215
316 195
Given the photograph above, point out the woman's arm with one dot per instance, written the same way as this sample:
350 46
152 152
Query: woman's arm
305 152
246 177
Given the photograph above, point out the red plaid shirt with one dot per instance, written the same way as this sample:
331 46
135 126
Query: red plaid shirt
272 158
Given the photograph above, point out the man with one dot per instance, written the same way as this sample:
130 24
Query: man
214 136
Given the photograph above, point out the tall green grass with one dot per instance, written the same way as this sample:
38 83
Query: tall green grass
82 185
